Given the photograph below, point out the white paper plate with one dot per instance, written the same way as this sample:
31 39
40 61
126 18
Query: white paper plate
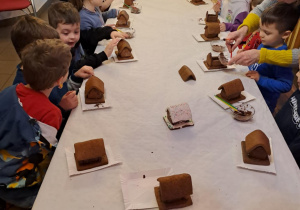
138 188
240 163
205 69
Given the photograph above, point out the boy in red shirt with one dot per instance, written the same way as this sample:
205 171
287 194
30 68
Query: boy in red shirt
29 121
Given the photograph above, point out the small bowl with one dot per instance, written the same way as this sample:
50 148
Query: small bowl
218 46
245 113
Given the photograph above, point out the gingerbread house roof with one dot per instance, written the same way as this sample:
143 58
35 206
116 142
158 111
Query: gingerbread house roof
128 2
124 14
94 83
123 44
256 139
232 87
180 112
89 151
175 187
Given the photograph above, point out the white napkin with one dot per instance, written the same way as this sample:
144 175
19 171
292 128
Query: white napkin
72 164
138 188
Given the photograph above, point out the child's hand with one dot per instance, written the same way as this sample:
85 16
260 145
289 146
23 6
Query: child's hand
217 7
85 72
253 75
222 27
116 34
239 51
110 47
69 101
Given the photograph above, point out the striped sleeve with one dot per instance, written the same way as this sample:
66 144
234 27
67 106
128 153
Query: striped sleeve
279 57
252 21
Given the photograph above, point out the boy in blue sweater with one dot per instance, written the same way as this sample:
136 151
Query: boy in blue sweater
276 24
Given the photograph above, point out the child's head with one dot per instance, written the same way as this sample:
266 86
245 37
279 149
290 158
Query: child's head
46 63
277 22
64 17
28 29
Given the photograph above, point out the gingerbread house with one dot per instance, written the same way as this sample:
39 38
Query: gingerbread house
197 2
94 91
186 73
212 30
179 113
90 154
211 18
231 91
128 2
174 191
213 62
124 50
256 148
123 20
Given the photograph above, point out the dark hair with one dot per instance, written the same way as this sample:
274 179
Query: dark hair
62 12
29 29
285 16
78 4
44 62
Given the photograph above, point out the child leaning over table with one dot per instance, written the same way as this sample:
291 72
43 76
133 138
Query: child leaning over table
91 25
29 121
276 24
27 30
233 13
288 121
65 19
91 15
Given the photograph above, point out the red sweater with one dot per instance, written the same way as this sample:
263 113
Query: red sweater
38 106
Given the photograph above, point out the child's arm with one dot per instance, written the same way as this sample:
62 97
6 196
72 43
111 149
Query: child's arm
112 13
69 101
89 38
280 57
276 79
237 22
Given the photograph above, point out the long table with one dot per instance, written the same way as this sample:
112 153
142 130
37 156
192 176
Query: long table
139 93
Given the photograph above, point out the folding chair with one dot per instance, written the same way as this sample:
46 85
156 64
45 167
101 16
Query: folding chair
11 5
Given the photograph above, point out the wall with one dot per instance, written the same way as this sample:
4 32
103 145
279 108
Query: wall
10 14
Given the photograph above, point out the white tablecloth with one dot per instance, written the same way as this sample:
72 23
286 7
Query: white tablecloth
139 93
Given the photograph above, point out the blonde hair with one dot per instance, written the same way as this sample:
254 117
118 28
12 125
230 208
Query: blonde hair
44 62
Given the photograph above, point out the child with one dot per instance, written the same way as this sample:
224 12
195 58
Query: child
91 24
65 19
233 12
29 121
91 15
288 121
27 30
276 25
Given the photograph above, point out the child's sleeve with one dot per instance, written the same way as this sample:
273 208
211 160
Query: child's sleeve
282 81
279 57
237 22
89 38
251 21
112 13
